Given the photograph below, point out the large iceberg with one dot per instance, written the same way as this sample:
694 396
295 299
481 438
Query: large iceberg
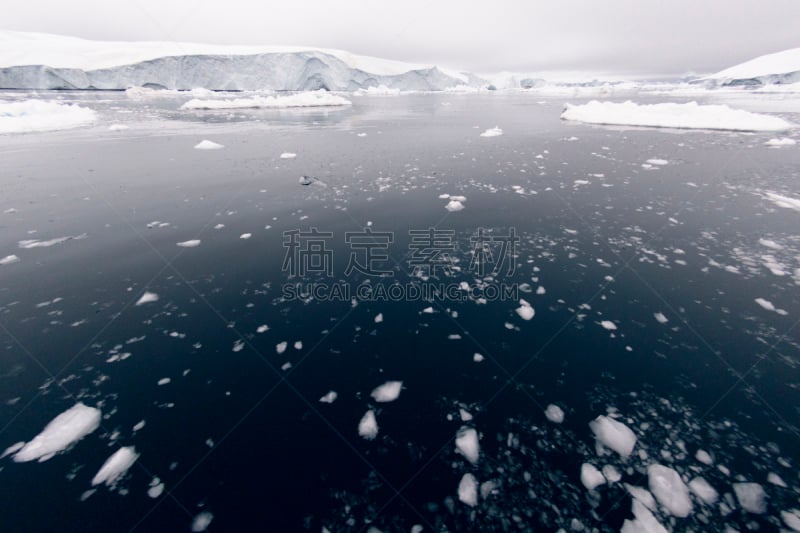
778 68
41 61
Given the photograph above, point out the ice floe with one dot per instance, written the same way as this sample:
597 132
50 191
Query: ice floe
467 444
554 414
63 431
468 490
492 132
591 477
670 490
147 297
319 98
673 115
751 497
613 435
368 425
38 115
194 243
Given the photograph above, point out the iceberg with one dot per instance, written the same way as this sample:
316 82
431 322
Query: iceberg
778 68
670 490
690 115
115 466
62 432
43 61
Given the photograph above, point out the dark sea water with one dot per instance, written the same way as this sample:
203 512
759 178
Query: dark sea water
603 236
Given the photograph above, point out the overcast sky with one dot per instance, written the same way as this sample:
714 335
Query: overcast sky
623 36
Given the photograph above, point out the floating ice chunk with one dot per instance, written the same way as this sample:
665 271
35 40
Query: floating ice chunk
454 205
245 236
591 477
63 431
368 426
661 318
329 397
467 444
659 162
525 311
643 522
477 357
554 414
468 490
492 132
791 519
115 466
609 325
9 259
262 328
38 115
202 521
776 480
379 318
207 145
770 244
751 497
670 490
36 243
139 425
388 392
782 141
288 155
281 347
147 297
14 448
767 305
428 310
319 98
704 457
613 434
673 115
611 473
641 494
700 488
465 415
194 243
298 345
783 201
164 381
117 127
156 488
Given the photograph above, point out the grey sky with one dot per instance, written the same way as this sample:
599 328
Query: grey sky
624 36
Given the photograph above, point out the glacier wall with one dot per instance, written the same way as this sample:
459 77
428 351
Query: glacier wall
295 71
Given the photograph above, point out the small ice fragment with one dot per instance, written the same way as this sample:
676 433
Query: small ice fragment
245 236
207 145
379 318
609 325
281 347
329 397
147 297
613 434
661 318
454 205
115 466
751 497
477 357
705 492
554 414
704 457
467 444
156 488
164 381
202 521
468 490
9 259
194 243
288 155
368 426
492 132
525 311
591 477
388 392
670 490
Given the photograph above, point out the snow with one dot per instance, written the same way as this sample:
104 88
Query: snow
147 297
388 392
591 477
306 99
609 325
62 432
784 62
202 521
9 259
783 141
329 397
208 145
613 435
492 132
525 311
467 444
368 426
115 466
783 201
288 155
40 115
194 243
554 414
751 497
701 488
670 490
468 490
690 115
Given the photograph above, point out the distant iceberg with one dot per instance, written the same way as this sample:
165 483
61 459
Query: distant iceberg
778 68
42 61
